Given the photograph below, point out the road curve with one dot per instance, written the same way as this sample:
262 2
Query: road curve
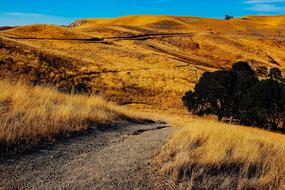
118 157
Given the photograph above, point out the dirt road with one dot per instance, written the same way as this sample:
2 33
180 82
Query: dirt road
118 157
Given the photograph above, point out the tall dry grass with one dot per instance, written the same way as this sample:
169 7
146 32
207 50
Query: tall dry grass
31 114
210 155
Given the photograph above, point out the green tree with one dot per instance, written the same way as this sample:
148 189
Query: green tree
262 71
212 94
238 94
275 74
266 104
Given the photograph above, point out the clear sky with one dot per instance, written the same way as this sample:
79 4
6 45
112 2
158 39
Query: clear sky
20 12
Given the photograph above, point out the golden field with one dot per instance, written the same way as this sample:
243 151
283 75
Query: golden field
145 63
121 58
31 114
206 154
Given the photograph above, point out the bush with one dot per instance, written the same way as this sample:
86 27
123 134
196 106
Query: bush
238 94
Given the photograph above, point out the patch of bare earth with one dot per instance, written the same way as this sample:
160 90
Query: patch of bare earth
117 157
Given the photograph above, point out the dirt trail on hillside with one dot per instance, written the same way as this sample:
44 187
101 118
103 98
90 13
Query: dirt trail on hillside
119 157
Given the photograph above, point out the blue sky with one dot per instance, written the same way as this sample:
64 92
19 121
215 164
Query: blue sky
21 12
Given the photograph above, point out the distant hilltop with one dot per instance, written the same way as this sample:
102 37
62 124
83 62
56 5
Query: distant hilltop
7 27
149 19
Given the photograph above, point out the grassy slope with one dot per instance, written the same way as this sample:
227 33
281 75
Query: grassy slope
40 31
31 114
155 70
123 69
211 155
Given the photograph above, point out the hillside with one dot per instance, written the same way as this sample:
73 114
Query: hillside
206 154
139 59
41 31
92 105
33 115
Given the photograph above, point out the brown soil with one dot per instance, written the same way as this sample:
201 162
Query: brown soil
119 157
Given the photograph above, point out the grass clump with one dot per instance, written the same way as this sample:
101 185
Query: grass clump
213 155
31 114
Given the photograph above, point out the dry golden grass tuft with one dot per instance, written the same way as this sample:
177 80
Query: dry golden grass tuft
210 155
31 114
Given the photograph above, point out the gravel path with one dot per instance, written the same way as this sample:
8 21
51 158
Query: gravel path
115 158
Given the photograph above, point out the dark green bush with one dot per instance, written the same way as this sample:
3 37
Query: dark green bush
238 94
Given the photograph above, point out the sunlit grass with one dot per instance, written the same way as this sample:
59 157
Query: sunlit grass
211 155
30 114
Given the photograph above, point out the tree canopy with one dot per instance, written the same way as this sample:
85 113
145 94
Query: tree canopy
249 97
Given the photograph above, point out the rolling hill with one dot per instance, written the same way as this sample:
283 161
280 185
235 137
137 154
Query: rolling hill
145 63
138 59
41 31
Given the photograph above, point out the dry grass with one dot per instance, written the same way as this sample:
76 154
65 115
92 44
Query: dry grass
211 155
123 69
29 115
39 31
